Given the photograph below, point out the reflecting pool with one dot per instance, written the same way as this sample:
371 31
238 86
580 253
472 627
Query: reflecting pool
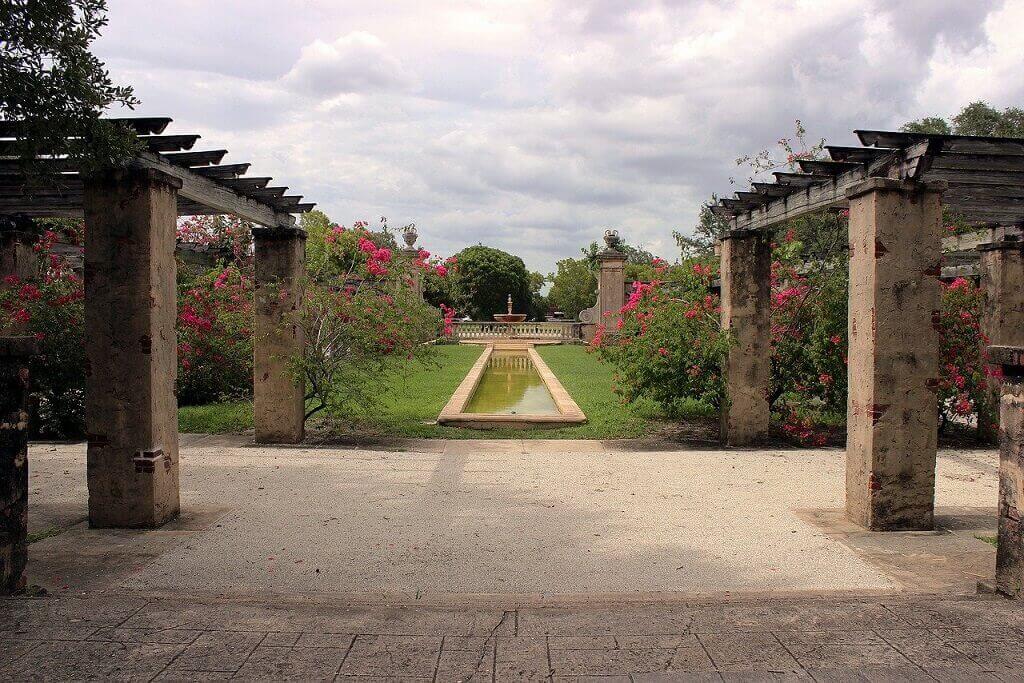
511 385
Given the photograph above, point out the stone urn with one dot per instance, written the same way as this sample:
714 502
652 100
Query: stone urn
510 317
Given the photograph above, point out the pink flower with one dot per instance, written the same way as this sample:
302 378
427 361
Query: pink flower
440 270
662 351
21 316
12 280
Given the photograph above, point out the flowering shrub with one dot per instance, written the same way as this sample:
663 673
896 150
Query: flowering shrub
215 322
226 232
52 310
964 376
667 343
365 322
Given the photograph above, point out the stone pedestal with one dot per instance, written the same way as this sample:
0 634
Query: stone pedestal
17 256
1010 552
895 248
611 286
15 353
131 351
746 292
278 393
1002 279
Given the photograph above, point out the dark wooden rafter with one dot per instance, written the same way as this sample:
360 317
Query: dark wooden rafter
208 187
985 177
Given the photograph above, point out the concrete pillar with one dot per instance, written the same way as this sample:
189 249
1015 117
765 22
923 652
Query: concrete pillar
892 409
14 384
746 291
611 285
278 394
1010 551
131 412
1002 279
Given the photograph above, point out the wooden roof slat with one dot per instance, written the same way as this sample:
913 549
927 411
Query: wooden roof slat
829 168
15 167
266 192
224 171
800 179
245 183
754 197
965 144
774 189
738 204
286 201
978 162
722 211
303 207
168 143
142 125
189 159
859 155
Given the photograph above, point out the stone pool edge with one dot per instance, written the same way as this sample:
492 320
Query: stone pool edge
569 412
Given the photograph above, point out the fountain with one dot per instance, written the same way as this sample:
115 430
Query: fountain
510 317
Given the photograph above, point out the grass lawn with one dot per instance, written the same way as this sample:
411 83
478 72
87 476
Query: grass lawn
416 398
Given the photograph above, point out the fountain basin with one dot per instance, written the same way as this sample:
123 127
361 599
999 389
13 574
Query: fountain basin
510 317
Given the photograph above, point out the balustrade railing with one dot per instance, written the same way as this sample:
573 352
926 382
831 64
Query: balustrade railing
567 331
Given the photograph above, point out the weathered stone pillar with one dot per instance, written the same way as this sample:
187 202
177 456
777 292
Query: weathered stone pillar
14 384
1010 551
892 410
279 395
1002 279
17 256
611 279
131 410
746 291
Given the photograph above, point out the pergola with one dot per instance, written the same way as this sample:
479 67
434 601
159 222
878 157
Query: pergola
895 186
130 300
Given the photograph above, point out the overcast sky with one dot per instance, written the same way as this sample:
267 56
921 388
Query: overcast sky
533 126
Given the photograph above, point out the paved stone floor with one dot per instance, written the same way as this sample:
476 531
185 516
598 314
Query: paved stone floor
820 638
509 561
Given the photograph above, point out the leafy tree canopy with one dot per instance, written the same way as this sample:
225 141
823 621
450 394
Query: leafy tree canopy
56 86
977 118
573 287
485 279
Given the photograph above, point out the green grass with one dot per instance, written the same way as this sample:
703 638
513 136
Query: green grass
415 398
991 540
216 418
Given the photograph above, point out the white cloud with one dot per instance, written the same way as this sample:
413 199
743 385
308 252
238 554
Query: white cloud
355 63
532 126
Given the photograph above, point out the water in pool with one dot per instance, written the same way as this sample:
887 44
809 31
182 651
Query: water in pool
510 385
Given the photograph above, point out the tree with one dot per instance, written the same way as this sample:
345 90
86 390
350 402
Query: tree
573 287
977 118
485 279
56 87
710 227
538 302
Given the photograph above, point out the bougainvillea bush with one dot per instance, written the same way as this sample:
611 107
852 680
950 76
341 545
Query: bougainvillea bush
965 379
667 343
363 321
215 323
51 309
669 346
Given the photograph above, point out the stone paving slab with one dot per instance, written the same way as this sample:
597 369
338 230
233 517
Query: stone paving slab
283 638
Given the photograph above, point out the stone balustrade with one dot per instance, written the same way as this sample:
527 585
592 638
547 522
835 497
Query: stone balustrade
560 331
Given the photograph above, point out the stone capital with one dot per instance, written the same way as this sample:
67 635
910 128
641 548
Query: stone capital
134 176
742 234
893 185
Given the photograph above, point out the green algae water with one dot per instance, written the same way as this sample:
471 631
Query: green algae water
511 385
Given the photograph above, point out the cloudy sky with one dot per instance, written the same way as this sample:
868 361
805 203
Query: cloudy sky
532 126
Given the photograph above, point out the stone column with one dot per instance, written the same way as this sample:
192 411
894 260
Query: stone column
746 291
1002 279
14 357
1010 551
17 256
892 410
279 395
611 285
131 412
